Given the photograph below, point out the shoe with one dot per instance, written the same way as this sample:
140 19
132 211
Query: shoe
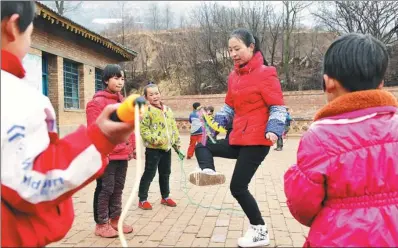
105 231
145 205
256 235
206 177
168 202
278 149
126 228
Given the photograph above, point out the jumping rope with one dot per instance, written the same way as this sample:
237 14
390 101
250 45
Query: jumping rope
130 109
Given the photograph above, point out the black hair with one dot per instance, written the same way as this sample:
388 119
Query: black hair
210 108
357 61
248 38
110 71
149 85
196 105
25 10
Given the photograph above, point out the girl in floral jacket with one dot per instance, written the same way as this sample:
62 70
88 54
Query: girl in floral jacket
159 132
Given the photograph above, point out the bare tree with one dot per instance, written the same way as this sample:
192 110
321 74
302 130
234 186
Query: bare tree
168 16
274 23
378 18
63 7
291 10
126 19
154 16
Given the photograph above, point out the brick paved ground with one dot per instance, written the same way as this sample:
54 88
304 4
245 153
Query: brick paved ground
188 225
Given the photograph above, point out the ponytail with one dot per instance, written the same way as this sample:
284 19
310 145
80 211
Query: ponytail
257 49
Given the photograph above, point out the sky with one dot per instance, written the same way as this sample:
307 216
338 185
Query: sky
96 14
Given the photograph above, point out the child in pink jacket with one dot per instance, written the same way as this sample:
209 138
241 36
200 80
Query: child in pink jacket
345 183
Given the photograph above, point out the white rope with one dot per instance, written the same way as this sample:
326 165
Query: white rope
138 173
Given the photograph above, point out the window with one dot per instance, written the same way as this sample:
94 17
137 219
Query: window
71 85
98 80
44 73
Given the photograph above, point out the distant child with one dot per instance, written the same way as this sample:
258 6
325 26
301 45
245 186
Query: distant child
109 190
210 111
196 129
279 143
344 185
159 132
40 171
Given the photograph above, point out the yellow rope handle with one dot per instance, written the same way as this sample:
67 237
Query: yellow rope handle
138 173
214 125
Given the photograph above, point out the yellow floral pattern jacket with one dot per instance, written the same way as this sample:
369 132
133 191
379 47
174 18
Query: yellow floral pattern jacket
159 128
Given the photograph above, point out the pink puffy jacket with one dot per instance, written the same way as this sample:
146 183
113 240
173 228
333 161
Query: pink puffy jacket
345 184
123 151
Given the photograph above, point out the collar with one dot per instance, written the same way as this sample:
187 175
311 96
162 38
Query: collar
12 64
161 106
256 61
358 100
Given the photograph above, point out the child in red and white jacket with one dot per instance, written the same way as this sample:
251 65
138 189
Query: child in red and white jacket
108 193
39 171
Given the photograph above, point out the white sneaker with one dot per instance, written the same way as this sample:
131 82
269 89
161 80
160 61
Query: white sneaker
206 177
255 236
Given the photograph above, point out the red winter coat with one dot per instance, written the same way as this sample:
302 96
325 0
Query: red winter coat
252 89
94 108
345 183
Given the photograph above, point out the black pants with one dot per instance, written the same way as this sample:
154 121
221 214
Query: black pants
109 190
156 159
248 160
279 143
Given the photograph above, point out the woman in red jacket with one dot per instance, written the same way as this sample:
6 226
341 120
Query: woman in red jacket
254 103
108 193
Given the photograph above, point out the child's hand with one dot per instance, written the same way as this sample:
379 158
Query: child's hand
272 137
161 142
116 132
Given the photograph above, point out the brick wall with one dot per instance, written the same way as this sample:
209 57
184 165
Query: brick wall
302 105
57 47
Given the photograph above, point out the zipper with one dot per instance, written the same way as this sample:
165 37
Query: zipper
167 131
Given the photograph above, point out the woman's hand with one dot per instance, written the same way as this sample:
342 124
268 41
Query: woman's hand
271 136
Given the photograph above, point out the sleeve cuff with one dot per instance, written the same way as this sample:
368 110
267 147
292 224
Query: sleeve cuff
103 145
275 126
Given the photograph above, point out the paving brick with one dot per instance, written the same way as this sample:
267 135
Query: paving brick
234 234
200 242
186 240
189 225
222 222
192 229
219 235
171 238
150 243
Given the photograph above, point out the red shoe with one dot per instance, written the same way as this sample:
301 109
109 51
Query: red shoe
145 205
126 228
169 202
105 231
